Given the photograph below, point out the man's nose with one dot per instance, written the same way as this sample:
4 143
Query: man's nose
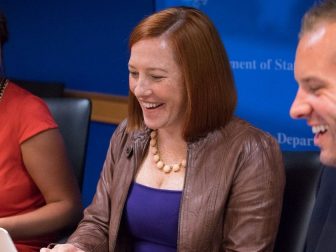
300 108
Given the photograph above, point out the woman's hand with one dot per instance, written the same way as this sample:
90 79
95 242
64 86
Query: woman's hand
62 248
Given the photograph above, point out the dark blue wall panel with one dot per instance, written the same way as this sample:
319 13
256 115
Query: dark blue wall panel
99 140
81 43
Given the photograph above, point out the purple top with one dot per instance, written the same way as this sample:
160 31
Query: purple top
151 218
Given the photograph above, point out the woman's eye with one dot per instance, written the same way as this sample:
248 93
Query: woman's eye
157 77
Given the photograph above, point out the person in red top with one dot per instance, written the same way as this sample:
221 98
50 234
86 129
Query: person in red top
38 194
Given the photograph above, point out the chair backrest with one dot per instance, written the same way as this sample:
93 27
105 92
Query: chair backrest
42 88
303 171
73 118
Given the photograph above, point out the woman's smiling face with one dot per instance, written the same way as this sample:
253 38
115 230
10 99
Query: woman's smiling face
157 82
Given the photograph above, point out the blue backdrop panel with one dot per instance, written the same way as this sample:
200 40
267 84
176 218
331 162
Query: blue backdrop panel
260 37
99 141
83 44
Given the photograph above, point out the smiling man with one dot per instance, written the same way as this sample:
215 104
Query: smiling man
315 72
315 101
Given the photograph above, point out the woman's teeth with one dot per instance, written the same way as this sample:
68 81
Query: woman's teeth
149 105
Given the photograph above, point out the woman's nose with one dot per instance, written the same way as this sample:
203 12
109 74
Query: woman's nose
300 108
142 88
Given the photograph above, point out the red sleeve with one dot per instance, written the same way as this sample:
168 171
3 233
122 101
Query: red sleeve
34 117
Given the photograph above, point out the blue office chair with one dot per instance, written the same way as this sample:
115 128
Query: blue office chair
45 89
73 118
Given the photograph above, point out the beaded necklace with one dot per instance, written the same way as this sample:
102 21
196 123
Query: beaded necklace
167 168
3 84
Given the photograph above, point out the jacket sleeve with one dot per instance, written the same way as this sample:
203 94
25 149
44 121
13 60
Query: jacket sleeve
92 232
254 208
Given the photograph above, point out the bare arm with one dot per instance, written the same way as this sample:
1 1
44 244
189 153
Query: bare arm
45 159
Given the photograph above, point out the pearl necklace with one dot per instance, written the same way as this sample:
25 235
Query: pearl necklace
3 84
157 159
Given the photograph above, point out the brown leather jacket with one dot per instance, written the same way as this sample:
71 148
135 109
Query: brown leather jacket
231 199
